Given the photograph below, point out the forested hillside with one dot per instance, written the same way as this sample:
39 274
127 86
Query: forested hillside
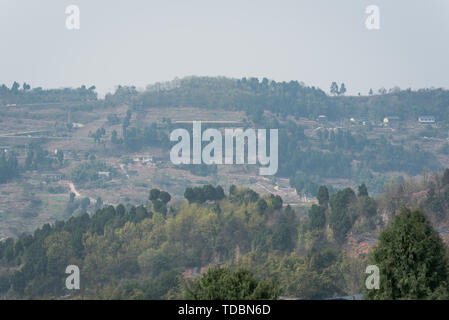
287 98
24 94
150 252
138 251
357 153
88 172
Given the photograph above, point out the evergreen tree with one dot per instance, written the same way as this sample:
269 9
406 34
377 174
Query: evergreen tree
317 217
342 89
224 284
363 191
334 88
412 260
323 196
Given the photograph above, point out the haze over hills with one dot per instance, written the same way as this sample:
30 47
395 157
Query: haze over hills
335 140
85 180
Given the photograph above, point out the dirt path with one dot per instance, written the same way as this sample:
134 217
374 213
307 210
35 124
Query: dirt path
122 166
73 189
77 194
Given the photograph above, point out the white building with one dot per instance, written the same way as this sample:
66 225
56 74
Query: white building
392 119
426 119
321 118
104 174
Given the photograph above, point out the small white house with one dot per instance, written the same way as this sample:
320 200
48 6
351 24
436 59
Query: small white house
105 174
426 119
390 120
322 118
144 159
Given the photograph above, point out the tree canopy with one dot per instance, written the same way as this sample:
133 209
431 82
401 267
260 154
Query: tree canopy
412 260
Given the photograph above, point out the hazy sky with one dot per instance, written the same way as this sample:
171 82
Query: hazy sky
141 41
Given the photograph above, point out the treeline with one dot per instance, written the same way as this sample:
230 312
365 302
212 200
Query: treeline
341 212
385 156
430 194
42 257
120 249
149 252
252 96
24 94
136 138
36 159
203 194
339 151
88 171
299 156
286 98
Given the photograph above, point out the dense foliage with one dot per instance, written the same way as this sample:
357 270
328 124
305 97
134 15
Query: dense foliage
412 260
24 94
88 171
291 98
223 284
137 252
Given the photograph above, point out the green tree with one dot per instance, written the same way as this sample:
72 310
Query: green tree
224 284
363 191
15 87
323 196
114 138
262 206
159 206
317 217
165 197
342 89
334 88
412 260
154 194
339 219
85 202
60 155
189 194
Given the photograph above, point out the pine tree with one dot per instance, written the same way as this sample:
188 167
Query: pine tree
334 88
342 89
323 196
412 260
363 191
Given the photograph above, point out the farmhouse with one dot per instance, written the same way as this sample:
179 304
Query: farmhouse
361 121
426 119
52 177
321 118
391 119
104 174
144 159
